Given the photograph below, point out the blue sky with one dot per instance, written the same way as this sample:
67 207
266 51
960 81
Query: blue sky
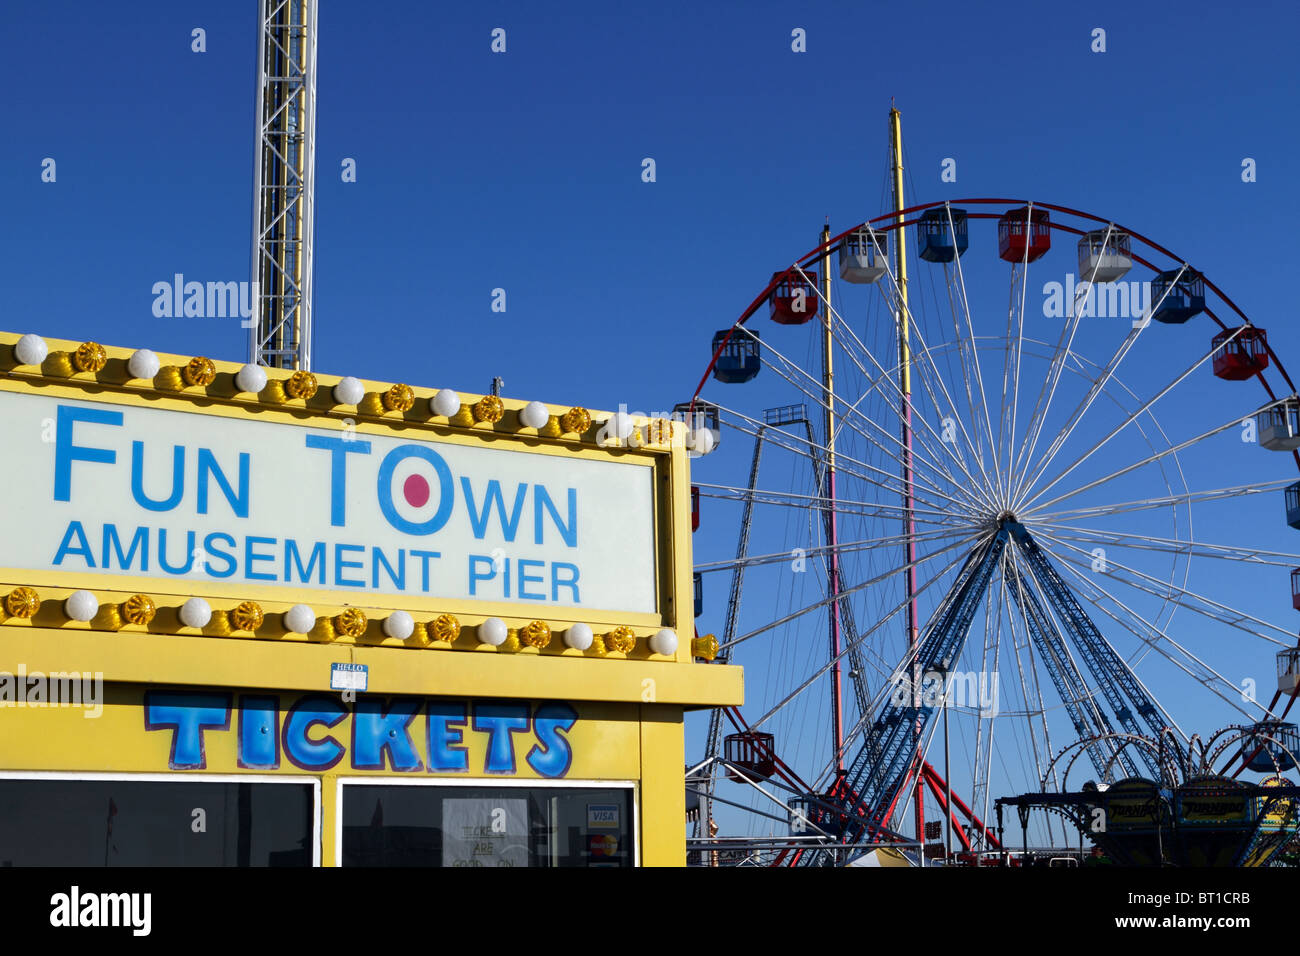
522 171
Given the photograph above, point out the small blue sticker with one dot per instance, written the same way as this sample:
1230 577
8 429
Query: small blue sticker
355 677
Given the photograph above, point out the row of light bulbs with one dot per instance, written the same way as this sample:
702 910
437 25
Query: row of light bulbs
31 349
140 609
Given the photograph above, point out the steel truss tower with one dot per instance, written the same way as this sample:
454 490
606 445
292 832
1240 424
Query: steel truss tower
284 181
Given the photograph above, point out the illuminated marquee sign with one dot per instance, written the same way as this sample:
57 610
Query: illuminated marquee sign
110 488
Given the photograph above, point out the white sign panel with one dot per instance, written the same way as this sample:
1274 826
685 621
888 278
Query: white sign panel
484 832
120 489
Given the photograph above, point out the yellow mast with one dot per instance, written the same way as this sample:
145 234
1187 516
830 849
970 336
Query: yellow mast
905 386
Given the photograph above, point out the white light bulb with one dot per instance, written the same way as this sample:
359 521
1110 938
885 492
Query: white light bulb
81 605
664 641
701 441
196 612
251 378
493 631
31 349
578 636
349 391
299 619
400 625
619 425
143 363
446 403
534 415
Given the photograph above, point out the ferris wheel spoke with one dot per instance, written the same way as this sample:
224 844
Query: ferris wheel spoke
1031 691
1156 638
975 359
1182 597
1011 370
886 689
1144 542
1026 508
844 507
844 463
933 459
889 483
845 329
1145 504
1119 659
1133 416
895 672
957 417
1064 344
1073 691
985 724
963 343
1095 390
817 398
865 544
851 589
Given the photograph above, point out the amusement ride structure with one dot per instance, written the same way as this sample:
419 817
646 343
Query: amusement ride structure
284 185
992 527
975 500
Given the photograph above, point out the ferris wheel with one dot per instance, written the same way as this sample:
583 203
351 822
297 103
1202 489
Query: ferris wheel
1020 498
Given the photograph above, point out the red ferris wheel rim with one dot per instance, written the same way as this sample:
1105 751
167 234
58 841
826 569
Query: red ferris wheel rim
891 223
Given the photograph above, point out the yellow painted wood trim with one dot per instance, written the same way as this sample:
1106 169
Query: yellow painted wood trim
180 660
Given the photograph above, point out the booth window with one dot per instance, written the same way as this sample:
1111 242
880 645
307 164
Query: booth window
147 822
440 825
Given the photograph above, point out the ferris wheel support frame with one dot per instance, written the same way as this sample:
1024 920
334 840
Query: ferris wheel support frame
1107 667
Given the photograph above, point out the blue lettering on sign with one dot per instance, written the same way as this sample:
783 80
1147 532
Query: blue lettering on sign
493 511
137 479
139 540
299 747
376 732
447 752
291 553
82 545
478 520
552 755
65 452
259 732
425 557
187 715
251 557
568 529
501 722
340 564
395 574
208 468
382 733
526 578
230 563
384 489
189 553
338 449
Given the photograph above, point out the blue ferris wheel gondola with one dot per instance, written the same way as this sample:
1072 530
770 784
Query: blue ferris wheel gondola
938 241
1177 295
741 358
1270 746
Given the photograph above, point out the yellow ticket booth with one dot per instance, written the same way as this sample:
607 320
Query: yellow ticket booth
254 617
